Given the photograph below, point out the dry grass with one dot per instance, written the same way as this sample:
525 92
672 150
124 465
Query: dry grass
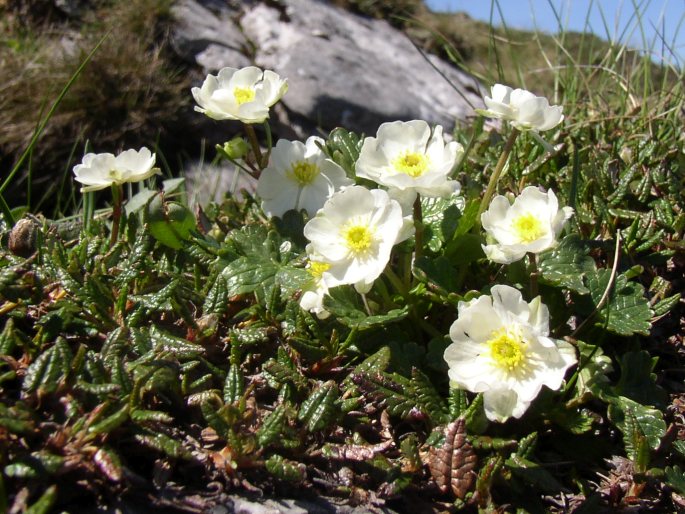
129 95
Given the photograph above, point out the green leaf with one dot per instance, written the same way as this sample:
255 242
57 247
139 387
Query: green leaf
319 409
375 363
567 264
637 381
630 416
345 305
45 502
439 274
343 147
428 398
45 374
390 391
286 469
533 474
168 343
234 387
273 426
627 311
245 275
675 477
593 369
440 218
164 444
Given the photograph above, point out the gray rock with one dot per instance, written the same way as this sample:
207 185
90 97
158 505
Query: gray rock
206 33
352 71
343 69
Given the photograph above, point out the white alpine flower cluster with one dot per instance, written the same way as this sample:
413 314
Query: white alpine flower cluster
500 343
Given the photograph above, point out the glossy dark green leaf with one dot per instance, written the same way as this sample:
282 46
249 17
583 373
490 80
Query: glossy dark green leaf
567 264
319 409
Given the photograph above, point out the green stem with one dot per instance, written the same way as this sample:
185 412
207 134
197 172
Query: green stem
6 212
533 269
117 196
269 143
492 185
418 228
396 282
256 149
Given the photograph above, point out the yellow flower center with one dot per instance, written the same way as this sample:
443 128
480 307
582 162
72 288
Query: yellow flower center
507 350
358 238
114 175
528 228
303 172
317 268
243 95
411 163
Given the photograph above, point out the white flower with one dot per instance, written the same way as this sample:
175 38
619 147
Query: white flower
501 348
244 95
102 170
531 224
354 233
299 176
312 299
522 108
405 156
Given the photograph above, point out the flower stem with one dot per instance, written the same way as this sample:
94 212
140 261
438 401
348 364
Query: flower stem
256 149
418 228
533 270
492 185
117 196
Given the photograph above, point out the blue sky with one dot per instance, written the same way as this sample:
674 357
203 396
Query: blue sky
609 19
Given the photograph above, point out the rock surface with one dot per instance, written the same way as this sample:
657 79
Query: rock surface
343 69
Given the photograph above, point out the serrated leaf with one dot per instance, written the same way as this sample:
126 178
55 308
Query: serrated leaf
273 426
567 264
627 311
375 363
111 422
630 416
285 469
168 343
533 474
51 367
345 305
427 397
637 380
392 392
164 444
319 409
593 369
675 477
440 218
452 464
233 387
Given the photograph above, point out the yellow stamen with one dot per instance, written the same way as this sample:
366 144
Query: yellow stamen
243 94
303 172
358 238
411 163
317 268
508 350
528 227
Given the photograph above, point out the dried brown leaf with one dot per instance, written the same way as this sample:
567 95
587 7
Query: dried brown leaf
452 465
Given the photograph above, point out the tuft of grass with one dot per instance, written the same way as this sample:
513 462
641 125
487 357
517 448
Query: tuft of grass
128 95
